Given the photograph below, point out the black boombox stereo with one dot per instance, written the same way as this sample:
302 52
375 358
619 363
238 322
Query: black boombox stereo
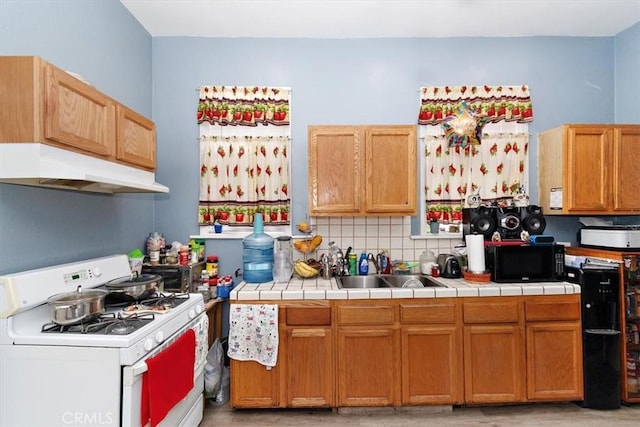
509 222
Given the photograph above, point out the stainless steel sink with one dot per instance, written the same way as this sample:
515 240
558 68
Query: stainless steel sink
408 280
361 282
384 281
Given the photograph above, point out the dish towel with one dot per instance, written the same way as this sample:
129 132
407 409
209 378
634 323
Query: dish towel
253 333
168 379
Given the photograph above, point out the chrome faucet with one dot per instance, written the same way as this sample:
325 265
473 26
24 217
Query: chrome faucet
371 258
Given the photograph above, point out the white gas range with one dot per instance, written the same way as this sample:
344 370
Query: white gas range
89 376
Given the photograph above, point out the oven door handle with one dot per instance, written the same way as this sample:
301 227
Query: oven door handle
132 373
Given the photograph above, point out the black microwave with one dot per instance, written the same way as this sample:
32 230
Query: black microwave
525 263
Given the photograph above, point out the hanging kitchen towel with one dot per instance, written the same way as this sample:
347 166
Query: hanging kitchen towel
168 379
253 333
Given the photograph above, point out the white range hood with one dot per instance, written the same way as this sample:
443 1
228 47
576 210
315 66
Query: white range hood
41 165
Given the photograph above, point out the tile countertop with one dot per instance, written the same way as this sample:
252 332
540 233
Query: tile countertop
318 288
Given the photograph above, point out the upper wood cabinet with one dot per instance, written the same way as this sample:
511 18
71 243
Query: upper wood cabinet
42 103
590 169
362 170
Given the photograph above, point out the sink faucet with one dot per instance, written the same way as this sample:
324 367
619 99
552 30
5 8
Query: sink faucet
371 258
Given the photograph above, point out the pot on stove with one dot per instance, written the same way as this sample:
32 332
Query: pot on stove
137 287
74 307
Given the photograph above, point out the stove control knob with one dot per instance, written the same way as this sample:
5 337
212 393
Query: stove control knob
159 337
148 344
199 308
192 313
97 272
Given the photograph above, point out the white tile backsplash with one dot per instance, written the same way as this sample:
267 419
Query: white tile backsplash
372 234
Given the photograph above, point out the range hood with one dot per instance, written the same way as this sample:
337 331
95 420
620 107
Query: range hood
42 165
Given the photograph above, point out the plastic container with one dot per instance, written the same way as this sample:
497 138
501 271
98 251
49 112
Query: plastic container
282 260
427 260
184 255
212 265
353 264
363 265
257 254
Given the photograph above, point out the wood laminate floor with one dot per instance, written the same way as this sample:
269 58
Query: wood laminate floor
557 415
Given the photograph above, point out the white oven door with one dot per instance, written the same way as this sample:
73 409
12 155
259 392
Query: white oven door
188 412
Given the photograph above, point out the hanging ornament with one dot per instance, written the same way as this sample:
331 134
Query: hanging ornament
464 127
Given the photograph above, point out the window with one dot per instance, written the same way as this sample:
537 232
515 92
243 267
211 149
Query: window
496 169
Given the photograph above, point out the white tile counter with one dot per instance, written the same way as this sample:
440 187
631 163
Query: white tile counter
318 288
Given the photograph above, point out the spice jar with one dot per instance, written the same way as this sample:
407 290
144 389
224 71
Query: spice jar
184 255
212 265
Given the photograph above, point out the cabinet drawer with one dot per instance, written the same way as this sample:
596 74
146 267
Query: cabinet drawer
365 315
491 312
565 309
308 316
427 313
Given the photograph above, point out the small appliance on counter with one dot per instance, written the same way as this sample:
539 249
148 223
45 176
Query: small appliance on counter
177 278
449 266
614 237
525 263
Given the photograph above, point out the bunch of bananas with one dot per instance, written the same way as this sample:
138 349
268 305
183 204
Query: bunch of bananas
308 245
304 270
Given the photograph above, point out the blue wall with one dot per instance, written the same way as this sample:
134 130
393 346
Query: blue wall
100 40
572 80
627 70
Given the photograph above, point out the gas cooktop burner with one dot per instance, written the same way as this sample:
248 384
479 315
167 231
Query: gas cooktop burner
105 324
165 300
118 299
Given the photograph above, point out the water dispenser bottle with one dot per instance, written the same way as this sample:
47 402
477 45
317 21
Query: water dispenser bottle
257 254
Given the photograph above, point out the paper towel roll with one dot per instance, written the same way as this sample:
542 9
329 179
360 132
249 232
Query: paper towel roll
475 253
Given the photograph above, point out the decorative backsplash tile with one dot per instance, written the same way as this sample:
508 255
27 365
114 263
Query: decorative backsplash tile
372 234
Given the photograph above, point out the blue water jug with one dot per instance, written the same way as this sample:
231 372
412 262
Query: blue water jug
257 254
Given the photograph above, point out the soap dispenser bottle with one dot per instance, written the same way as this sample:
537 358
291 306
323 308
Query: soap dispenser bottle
363 264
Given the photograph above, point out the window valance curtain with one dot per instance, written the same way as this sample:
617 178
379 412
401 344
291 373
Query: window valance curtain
244 154
496 103
244 105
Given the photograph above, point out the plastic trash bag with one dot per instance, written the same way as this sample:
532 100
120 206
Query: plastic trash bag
213 369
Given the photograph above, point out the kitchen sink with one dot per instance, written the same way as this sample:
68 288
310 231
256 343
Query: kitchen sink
384 281
399 281
361 282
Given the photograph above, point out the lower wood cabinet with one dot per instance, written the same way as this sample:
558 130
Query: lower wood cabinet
309 358
367 361
494 350
554 349
494 363
253 385
431 360
482 350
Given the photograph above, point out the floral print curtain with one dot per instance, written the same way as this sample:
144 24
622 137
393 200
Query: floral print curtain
496 169
244 154
495 103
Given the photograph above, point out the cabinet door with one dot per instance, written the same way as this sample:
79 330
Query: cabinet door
626 179
494 363
310 378
136 138
554 361
588 159
77 115
391 169
253 385
366 366
335 170
431 365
